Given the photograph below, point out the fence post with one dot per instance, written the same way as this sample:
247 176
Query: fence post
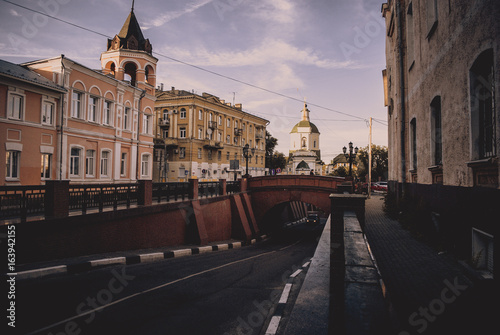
222 187
145 192
193 189
56 199
243 184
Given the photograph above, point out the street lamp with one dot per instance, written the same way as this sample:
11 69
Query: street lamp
247 153
350 156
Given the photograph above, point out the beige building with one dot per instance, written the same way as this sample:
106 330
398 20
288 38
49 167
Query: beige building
197 136
441 90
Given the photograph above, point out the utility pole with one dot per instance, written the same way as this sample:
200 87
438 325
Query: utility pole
370 161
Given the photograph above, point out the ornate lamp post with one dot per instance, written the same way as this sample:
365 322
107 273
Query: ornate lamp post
350 156
247 153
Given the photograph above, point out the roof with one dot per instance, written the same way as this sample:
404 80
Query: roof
340 158
304 124
22 73
131 27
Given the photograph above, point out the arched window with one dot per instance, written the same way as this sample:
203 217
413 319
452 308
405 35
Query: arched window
130 73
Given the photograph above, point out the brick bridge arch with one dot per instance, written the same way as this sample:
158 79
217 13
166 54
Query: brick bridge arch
268 192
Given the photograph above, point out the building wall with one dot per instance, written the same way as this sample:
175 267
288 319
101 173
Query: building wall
438 66
29 135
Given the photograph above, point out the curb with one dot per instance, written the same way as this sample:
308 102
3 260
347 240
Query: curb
128 260
274 324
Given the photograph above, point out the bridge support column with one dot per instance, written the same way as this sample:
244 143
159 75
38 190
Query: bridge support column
222 186
193 189
56 199
240 226
145 193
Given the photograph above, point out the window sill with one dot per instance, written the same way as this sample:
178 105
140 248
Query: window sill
482 162
436 168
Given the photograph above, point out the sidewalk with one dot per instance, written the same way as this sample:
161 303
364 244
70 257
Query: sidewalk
429 293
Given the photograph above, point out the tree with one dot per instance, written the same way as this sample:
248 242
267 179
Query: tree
271 143
278 160
341 171
379 162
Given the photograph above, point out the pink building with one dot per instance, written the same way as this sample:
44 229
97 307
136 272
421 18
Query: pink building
101 121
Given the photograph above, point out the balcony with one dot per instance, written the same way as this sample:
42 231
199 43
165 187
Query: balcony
212 124
164 123
259 135
161 143
238 131
211 144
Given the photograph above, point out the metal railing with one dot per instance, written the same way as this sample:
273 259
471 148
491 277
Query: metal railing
21 201
91 196
208 189
232 187
170 191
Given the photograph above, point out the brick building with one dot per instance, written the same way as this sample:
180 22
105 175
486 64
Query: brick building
441 91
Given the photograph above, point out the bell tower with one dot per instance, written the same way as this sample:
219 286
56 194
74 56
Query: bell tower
129 56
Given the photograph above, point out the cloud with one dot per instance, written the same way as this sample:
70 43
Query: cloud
270 51
280 11
14 13
172 15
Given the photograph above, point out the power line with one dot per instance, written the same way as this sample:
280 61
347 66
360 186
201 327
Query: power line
198 67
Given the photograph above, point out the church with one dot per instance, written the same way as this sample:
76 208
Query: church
304 155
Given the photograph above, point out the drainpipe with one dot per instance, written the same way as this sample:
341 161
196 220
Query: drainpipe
62 120
402 93
138 163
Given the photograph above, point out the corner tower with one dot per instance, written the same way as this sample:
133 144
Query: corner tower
129 56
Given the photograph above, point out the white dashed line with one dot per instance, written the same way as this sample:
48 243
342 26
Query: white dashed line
296 273
273 325
285 294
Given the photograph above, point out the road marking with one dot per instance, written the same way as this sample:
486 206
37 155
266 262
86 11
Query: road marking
285 294
306 264
147 291
42 272
296 273
108 261
273 325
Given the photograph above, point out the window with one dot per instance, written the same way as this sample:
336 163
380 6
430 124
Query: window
105 155
45 165
432 16
123 164
413 144
74 163
483 106
77 105
182 152
183 113
16 107
199 153
107 115
209 152
228 123
182 132
145 163
200 115
47 113
90 163
147 124
314 144
126 118
219 136
12 164
228 139
219 155
200 133
410 38
227 155
436 132
220 120
93 109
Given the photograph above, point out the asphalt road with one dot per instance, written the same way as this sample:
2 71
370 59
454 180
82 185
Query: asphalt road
225 292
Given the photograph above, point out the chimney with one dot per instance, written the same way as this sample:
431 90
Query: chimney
161 86
173 88
239 106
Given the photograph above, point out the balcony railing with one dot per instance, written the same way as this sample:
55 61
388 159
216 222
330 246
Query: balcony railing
208 189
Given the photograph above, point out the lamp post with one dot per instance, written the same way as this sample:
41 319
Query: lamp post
350 156
247 153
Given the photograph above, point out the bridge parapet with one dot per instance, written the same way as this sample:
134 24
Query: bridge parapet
295 181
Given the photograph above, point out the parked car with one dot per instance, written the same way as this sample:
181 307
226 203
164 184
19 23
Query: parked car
380 186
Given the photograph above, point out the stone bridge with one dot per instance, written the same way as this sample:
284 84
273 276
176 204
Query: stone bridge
270 192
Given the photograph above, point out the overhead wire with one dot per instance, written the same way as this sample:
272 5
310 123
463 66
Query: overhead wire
359 118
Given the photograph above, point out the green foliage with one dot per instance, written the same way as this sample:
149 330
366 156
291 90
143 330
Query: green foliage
341 171
379 162
277 160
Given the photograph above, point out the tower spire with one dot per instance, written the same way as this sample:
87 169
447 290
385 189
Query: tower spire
133 1
305 112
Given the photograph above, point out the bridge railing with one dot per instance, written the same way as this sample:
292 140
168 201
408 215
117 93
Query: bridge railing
17 203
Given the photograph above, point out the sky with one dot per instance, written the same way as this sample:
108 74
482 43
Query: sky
268 55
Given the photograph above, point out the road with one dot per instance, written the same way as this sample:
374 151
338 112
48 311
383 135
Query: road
224 292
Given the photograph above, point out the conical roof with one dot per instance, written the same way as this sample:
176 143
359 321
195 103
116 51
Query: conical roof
131 28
